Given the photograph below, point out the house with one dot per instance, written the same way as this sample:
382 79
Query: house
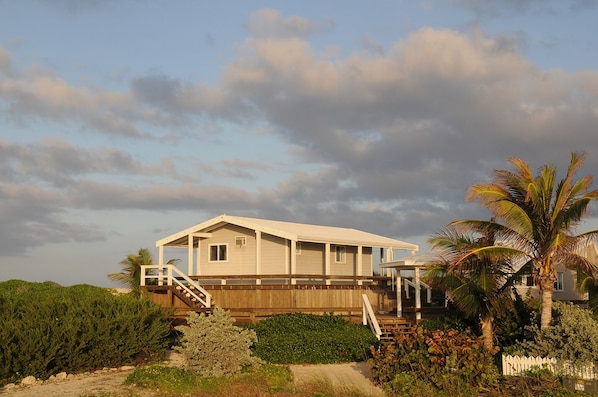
250 265
565 286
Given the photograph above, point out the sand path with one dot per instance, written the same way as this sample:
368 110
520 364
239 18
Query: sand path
349 376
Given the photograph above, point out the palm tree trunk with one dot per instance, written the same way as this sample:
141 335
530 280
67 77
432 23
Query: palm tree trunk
546 308
487 333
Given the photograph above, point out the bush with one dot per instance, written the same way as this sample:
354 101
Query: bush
48 329
214 347
446 360
311 339
572 337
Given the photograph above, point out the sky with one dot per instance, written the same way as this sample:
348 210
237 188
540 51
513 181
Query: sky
124 121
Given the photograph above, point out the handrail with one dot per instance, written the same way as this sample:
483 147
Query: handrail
170 279
426 286
369 318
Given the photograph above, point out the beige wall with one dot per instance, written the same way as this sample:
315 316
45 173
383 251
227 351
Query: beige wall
274 252
311 259
274 255
240 260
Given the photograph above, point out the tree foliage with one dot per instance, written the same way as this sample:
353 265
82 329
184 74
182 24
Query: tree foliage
214 347
478 281
131 270
536 220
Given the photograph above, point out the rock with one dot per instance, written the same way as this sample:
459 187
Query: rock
9 386
126 368
29 380
61 376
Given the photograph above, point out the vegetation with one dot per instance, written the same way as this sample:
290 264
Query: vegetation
47 329
573 338
131 270
477 281
442 360
267 380
301 338
536 217
214 347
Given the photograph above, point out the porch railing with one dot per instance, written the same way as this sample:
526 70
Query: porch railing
171 275
409 283
369 317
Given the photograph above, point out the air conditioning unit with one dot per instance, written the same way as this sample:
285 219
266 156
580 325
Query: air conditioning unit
240 241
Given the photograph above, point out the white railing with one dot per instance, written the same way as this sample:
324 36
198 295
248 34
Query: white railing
517 365
171 275
414 285
369 318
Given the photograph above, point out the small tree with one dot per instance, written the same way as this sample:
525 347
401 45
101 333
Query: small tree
131 270
213 347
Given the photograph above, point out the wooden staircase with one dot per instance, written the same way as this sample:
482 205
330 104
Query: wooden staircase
393 326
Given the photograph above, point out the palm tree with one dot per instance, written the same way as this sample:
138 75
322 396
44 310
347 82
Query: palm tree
536 220
131 270
478 283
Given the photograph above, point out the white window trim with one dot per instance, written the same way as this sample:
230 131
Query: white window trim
343 254
560 276
218 260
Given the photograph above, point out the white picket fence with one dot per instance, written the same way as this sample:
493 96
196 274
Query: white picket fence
517 365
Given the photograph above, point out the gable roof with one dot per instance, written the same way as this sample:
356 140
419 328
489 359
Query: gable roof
290 231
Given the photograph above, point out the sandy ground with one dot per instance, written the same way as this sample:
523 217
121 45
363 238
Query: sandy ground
349 376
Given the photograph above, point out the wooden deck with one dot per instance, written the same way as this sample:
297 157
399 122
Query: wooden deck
253 302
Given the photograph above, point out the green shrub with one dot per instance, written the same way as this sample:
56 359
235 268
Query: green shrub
444 359
214 347
48 329
311 339
572 336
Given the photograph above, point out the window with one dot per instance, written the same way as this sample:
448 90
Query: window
529 281
558 284
340 253
298 248
218 253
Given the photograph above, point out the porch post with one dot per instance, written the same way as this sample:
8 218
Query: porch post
161 263
197 259
190 255
258 256
399 299
327 262
359 270
418 301
293 264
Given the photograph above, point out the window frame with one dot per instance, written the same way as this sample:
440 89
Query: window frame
218 253
342 251
559 284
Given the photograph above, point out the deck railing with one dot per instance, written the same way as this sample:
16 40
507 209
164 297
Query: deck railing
369 317
283 279
171 275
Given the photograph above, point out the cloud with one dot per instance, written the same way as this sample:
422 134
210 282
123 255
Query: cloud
387 141
269 22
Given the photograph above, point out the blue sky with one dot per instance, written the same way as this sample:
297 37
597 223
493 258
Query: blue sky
125 121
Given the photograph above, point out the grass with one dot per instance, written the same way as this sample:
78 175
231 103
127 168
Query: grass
267 380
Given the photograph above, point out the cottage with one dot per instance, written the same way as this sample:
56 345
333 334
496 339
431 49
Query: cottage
250 265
